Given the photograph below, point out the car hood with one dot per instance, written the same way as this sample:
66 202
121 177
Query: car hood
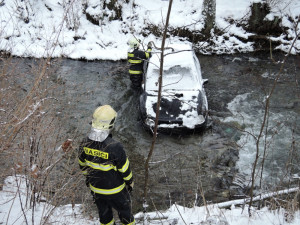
175 108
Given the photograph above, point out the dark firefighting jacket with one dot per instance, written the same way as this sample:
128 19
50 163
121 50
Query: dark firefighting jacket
136 59
106 165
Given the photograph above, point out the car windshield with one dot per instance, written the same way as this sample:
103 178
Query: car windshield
174 78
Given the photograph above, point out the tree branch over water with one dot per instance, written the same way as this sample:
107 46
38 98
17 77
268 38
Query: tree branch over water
158 102
265 119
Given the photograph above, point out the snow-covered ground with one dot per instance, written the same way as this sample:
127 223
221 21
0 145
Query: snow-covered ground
54 28
47 33
13 210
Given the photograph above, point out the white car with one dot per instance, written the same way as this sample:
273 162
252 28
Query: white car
183 105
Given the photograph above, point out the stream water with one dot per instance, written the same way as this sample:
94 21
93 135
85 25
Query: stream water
249 80
216 163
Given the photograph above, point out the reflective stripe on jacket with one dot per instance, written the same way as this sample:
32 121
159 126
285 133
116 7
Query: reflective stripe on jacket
105 164
107 191
136 59
135 72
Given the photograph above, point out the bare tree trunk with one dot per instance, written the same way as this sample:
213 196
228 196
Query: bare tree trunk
209 16
158 102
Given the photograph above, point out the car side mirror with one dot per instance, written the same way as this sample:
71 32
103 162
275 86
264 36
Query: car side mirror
205 81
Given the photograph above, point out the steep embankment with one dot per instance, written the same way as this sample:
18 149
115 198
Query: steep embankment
100 29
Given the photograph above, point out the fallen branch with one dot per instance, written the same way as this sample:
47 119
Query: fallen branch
164 215
257 198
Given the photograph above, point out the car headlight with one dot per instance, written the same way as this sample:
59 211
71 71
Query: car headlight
150 122
201 107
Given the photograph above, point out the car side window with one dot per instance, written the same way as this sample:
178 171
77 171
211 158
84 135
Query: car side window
196 62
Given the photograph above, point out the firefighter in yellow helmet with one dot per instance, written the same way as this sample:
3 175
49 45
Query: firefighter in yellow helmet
104 163
136 58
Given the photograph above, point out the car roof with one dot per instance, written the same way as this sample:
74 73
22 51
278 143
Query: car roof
175 54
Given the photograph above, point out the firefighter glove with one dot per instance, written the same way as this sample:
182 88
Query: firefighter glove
130 187
149 45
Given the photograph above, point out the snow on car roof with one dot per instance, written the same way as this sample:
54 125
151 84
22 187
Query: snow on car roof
180 71
182 55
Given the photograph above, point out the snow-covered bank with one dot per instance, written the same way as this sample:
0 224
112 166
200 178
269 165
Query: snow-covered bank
56 28
14 210
212 215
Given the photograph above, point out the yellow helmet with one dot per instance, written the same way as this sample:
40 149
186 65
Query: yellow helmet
134 43
104 117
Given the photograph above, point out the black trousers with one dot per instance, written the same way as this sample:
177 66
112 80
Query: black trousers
121 202
136 80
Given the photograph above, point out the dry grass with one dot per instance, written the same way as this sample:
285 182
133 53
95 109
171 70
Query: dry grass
33 141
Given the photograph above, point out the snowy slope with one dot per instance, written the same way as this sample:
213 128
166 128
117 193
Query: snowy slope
14 192
53 28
